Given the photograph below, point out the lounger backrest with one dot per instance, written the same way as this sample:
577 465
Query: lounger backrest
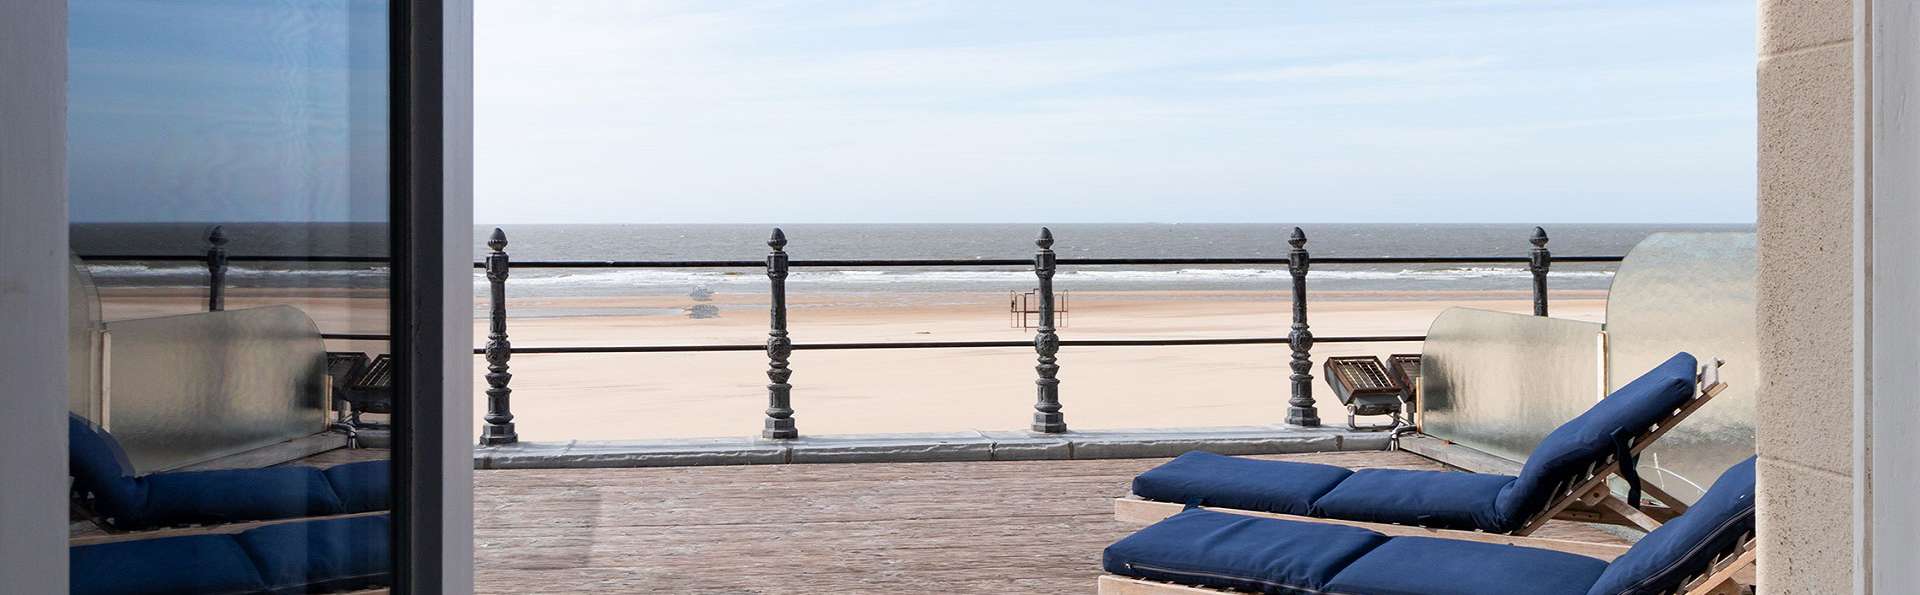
100 467
1686 546
1577 444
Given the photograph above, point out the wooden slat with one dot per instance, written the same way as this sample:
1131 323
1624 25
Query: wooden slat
1725 580
1120 585
1458 456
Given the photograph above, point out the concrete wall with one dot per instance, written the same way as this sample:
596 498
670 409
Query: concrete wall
1806 295
33 289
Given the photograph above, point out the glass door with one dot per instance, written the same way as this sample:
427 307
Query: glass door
247 235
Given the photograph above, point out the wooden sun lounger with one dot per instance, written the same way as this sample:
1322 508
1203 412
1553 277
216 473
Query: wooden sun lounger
1731 574
214 529
1147 512
1585 498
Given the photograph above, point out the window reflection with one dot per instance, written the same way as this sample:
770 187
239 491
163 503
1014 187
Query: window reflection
230 398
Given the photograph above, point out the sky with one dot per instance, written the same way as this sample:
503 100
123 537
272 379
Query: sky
808 111
227 110
1529 111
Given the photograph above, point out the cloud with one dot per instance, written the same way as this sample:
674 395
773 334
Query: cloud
703 111
1419 68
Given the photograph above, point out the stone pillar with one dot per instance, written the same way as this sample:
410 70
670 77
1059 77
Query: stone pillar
1805 417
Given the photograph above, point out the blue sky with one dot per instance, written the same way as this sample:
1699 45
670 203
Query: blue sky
227 110
827 111
809 111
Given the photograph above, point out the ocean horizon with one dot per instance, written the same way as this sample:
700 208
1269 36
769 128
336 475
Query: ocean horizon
533 242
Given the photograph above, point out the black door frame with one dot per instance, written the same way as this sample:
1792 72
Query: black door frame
416 47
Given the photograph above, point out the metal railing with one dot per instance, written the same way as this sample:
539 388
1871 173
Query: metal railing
778 417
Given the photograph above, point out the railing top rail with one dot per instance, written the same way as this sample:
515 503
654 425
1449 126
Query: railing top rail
519 350
881 263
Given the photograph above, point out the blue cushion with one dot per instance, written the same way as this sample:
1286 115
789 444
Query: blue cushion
1576 444
362 487
231 495
1229 551
1686 545
1429 566
1246 484
194 564
1443 499
100 467
321 556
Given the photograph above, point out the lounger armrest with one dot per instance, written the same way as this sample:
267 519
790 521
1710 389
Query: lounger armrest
1709 379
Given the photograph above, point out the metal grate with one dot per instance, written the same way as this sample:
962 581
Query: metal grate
379 375
1360 376
1406 369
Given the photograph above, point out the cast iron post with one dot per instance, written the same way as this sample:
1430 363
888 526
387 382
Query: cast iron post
1539 262
216 269
1046 409
499 418
779 347
1300 409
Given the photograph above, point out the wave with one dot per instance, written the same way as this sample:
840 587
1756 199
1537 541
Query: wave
193 275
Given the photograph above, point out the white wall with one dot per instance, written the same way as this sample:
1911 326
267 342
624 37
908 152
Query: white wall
1888 527
457 369
33 295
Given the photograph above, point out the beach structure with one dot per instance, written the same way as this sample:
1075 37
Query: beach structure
1824 388
1585 497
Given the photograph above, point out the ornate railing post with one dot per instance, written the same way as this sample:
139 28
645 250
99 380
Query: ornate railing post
216 269
499 418
1046 408
779 347
1540 260
1300 409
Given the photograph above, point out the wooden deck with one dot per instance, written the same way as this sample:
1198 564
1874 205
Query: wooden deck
994 527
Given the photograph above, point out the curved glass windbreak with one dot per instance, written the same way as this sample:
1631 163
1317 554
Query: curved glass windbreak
229 199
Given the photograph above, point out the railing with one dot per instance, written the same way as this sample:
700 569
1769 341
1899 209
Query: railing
779 423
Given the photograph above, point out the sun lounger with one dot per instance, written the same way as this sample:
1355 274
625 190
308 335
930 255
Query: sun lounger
105 485
320 556
1202 551
1566 476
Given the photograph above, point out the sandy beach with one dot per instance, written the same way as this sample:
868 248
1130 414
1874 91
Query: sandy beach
561 397
657 395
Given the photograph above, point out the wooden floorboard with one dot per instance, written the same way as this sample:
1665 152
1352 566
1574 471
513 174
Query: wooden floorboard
987 527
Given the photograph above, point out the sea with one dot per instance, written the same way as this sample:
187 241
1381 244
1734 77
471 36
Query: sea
531 242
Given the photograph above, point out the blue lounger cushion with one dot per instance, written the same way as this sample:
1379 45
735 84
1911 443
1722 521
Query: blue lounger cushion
362 486
1494 503
1227 551
100 467
1441 499
233 495
1628 412
1213 549
1686 545
127 500
1430 566
1208 479
195 564
301 557
321 556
